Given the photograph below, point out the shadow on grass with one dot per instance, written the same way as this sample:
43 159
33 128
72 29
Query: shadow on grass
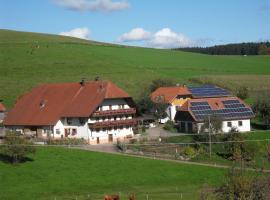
259 126
9 160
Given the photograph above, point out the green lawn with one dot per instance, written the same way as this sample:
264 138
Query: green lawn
29 59
67 173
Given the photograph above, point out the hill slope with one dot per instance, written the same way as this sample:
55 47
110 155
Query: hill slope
29 59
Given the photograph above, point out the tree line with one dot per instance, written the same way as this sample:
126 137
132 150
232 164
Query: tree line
250 48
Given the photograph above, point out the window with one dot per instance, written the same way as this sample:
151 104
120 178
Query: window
57 131
67 132
240 123
110 107
82 121
121 106
74 131
115 118
69 121
229 124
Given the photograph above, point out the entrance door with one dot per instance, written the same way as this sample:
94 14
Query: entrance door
97 140
189 127
110 137
183 127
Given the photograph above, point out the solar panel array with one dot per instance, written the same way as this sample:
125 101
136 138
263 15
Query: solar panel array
233 109
208 91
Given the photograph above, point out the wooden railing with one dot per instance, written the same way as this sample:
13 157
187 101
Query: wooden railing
102 113
115 123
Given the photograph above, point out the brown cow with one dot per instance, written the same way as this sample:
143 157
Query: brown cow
132 197
112 197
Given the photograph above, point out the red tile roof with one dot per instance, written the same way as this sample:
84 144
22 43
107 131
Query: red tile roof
45 104
167 94
214 103
2 107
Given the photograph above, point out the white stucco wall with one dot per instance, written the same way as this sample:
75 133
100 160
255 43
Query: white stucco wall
225 128
244 128
84 132
171 112
81 129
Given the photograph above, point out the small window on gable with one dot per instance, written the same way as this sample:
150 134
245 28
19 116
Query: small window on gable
240 123
229 124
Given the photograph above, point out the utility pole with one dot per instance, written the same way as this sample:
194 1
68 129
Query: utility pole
209 136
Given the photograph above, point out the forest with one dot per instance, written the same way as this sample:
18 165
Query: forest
251 48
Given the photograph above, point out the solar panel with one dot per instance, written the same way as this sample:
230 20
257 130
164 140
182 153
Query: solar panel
208 91
233 109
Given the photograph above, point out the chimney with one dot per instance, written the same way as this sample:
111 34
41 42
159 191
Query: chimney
82 82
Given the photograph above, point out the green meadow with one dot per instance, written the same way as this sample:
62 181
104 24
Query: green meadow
59 173
30 59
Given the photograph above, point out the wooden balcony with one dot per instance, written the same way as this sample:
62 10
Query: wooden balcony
115 123
103 113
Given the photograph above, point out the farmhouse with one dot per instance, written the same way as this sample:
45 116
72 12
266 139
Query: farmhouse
232 111
190 107
97 111
2 112
176 96
172 96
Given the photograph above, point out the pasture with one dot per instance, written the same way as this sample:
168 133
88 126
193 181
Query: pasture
59 173
30 59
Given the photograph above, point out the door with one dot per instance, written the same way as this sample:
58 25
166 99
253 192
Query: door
183 127
97 140
189 127
110 137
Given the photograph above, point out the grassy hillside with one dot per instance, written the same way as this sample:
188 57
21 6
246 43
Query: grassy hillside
57 173
29 59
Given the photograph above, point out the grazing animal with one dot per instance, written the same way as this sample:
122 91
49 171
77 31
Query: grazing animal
112 197
132 197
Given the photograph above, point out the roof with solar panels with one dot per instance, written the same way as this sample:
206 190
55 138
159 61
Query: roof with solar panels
227 108
168 94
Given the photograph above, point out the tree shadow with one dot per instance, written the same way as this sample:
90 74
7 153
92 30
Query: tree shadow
9 160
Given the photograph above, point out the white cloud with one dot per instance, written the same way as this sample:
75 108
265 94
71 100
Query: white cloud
166 38
93 5
136 34
82 33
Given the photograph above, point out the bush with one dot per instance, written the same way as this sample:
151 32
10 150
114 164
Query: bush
241 184
242 92
169 126
16 147
236 149
67 141
189 152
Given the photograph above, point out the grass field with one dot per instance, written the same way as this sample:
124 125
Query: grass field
58 173
29 59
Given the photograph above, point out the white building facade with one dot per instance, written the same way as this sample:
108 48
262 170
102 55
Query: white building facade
98 112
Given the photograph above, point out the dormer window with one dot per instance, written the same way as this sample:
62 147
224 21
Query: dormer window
42 103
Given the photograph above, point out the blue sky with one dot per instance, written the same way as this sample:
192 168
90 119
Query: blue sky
155 23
